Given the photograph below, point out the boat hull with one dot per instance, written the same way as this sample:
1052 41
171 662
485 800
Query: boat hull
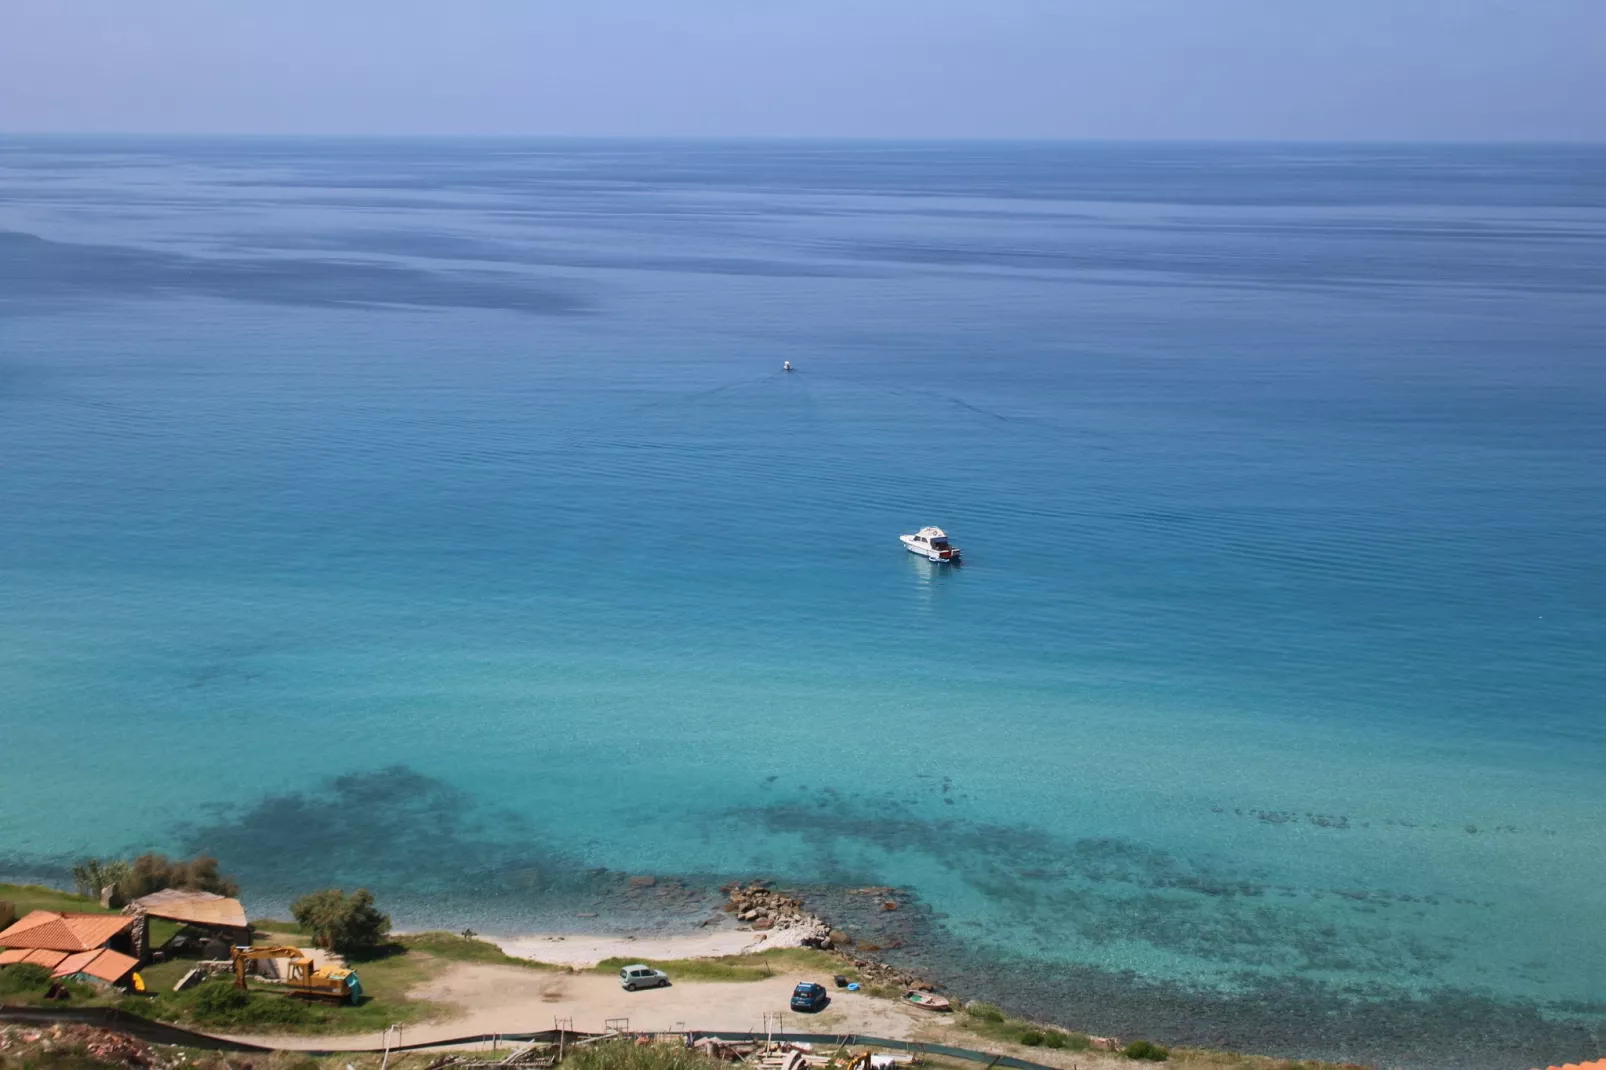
937 556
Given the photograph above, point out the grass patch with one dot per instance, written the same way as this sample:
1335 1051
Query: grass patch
26 897
755 967
162 930
984 1019
623 1055
218 1006
455 948
25 984
388 973
162 976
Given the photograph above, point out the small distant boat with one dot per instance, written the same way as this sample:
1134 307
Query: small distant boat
932 544
786 365
929 1000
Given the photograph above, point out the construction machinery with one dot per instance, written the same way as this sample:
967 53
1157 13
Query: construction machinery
335 983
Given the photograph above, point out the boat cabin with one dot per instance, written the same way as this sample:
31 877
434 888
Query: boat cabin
932 543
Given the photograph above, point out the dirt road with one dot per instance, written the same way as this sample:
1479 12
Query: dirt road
506 999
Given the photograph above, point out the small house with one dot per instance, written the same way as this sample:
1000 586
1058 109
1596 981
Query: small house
73 947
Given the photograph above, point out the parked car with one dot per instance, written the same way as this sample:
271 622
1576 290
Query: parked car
640 976
808 996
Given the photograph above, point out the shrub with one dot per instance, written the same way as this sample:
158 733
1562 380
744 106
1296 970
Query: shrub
220 1003
23 978
219 999
986 1012
1147 1051
1054 1039
342 923
1031 1038
151 872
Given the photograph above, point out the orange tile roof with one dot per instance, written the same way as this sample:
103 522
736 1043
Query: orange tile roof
105 965
1598 1064
34 956
64 932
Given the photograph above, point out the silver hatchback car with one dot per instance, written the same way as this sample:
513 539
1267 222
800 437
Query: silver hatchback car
640 976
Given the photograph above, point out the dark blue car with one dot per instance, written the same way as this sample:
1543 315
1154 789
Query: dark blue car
809 996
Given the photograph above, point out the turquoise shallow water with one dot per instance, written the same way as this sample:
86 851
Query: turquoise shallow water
434 515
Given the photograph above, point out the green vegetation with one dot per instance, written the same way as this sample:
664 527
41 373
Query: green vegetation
340 922
23 979
26 897
1146 1051
162 930
623 1055
217 1005
985 1012
25 984
754 967
455 948
388 973
150 872
985 1019
93 875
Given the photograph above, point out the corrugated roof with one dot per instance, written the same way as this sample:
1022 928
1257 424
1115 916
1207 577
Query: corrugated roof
104 965
64 932
193 908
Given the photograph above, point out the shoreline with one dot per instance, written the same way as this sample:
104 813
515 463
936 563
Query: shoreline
754 918
890 938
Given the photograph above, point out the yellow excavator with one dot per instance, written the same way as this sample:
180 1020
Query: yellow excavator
332 982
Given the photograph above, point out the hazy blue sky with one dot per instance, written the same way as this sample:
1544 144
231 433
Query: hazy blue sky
1459 69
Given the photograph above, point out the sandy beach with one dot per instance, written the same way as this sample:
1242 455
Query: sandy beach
587 949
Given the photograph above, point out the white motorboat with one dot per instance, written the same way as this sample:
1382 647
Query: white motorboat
932 544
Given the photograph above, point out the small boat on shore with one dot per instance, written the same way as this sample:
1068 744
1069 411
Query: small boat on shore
929 1000
932 544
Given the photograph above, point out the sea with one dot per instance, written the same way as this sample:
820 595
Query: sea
435 516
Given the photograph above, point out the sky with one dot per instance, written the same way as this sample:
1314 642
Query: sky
1473 70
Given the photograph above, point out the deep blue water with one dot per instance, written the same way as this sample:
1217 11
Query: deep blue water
435 515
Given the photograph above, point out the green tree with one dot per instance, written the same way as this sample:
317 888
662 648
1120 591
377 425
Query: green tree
93 875
341 922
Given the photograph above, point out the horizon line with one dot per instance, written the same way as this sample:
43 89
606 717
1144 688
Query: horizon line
855 138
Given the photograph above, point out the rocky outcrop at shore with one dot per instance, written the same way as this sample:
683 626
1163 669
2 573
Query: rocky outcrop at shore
762 909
